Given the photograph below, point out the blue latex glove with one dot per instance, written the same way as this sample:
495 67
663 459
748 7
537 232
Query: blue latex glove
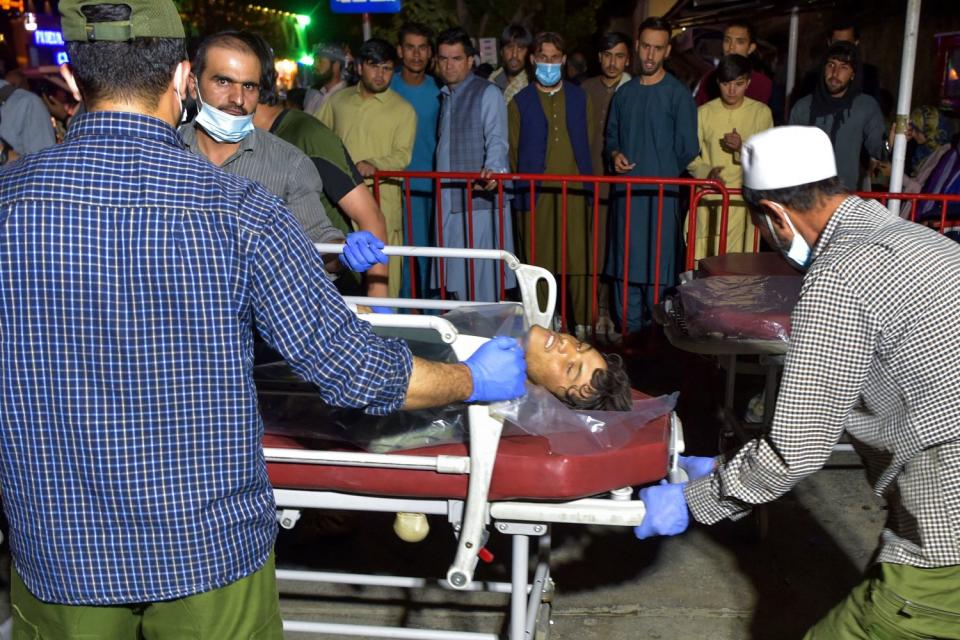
362 250
499 371
667 513
696 466
382 309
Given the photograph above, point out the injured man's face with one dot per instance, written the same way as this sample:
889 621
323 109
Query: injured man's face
559 362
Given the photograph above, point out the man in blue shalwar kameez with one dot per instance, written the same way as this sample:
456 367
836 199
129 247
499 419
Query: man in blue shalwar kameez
421 90
651 131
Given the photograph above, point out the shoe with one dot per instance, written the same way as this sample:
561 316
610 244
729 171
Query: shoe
605 329
755 409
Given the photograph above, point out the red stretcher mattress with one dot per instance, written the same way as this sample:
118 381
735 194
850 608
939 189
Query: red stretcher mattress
526 468
767 263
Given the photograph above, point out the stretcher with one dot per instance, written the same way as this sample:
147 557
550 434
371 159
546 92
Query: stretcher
737 308
516 485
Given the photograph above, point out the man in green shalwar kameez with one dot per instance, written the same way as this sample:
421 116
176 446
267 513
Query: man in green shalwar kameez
551 125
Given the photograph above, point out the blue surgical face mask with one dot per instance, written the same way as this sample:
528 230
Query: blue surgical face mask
221 126
548 74
799 253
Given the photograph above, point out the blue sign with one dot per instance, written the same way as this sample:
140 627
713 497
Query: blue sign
62 58
365 6
47 38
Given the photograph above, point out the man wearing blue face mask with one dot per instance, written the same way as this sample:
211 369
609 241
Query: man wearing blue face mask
225 81
874 351
551 125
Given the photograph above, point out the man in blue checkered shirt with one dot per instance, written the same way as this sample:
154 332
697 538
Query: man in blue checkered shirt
132 275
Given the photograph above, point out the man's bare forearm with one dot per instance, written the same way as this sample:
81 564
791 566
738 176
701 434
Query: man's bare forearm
433 384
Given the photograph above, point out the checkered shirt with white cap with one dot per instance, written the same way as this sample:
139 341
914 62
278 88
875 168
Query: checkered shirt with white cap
875 351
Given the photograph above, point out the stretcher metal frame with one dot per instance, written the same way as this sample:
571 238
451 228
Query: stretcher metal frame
529 607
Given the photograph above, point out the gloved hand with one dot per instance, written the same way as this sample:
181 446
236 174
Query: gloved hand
499 371
362 250
382 309
696 466
667 513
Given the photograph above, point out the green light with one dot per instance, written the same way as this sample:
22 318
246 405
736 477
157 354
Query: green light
306 60
303 20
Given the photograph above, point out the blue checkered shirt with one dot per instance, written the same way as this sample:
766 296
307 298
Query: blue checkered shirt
131 275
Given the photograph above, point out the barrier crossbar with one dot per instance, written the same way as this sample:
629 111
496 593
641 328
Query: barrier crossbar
510 187
506 187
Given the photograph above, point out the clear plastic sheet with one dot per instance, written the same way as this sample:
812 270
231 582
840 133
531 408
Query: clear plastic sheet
489 320
738 307
538 413
569 431
291 407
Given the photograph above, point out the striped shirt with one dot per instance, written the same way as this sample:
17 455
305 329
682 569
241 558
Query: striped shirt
285 171
131 275
875 351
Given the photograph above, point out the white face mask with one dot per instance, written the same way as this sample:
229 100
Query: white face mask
221 126
799 253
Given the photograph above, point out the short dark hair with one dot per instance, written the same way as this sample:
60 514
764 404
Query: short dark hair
611 39
140 69
843 51
456 35
415 29
548 37
746 25
516 34
843 25
268 72
376 51
608 390
732 67
801 198
655 23
236 40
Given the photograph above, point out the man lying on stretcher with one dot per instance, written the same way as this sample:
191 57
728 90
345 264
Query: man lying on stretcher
572 371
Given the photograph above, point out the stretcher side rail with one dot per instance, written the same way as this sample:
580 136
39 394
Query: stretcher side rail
528 278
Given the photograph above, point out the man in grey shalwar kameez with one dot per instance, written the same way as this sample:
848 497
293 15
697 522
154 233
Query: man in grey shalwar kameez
472 138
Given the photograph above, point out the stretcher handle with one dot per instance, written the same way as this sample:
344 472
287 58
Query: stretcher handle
446 330
528 278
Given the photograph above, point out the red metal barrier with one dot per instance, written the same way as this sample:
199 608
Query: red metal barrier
507 183
696 190
911 200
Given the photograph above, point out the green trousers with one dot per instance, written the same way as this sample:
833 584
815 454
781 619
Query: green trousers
248 609
897 602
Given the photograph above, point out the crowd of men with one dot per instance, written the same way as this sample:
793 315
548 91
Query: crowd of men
548 118
418 104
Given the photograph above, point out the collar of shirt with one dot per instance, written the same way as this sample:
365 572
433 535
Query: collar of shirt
123 124
832 224
448 90
324 91
379 97
189 134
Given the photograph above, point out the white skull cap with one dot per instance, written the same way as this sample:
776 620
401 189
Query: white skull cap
787 157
